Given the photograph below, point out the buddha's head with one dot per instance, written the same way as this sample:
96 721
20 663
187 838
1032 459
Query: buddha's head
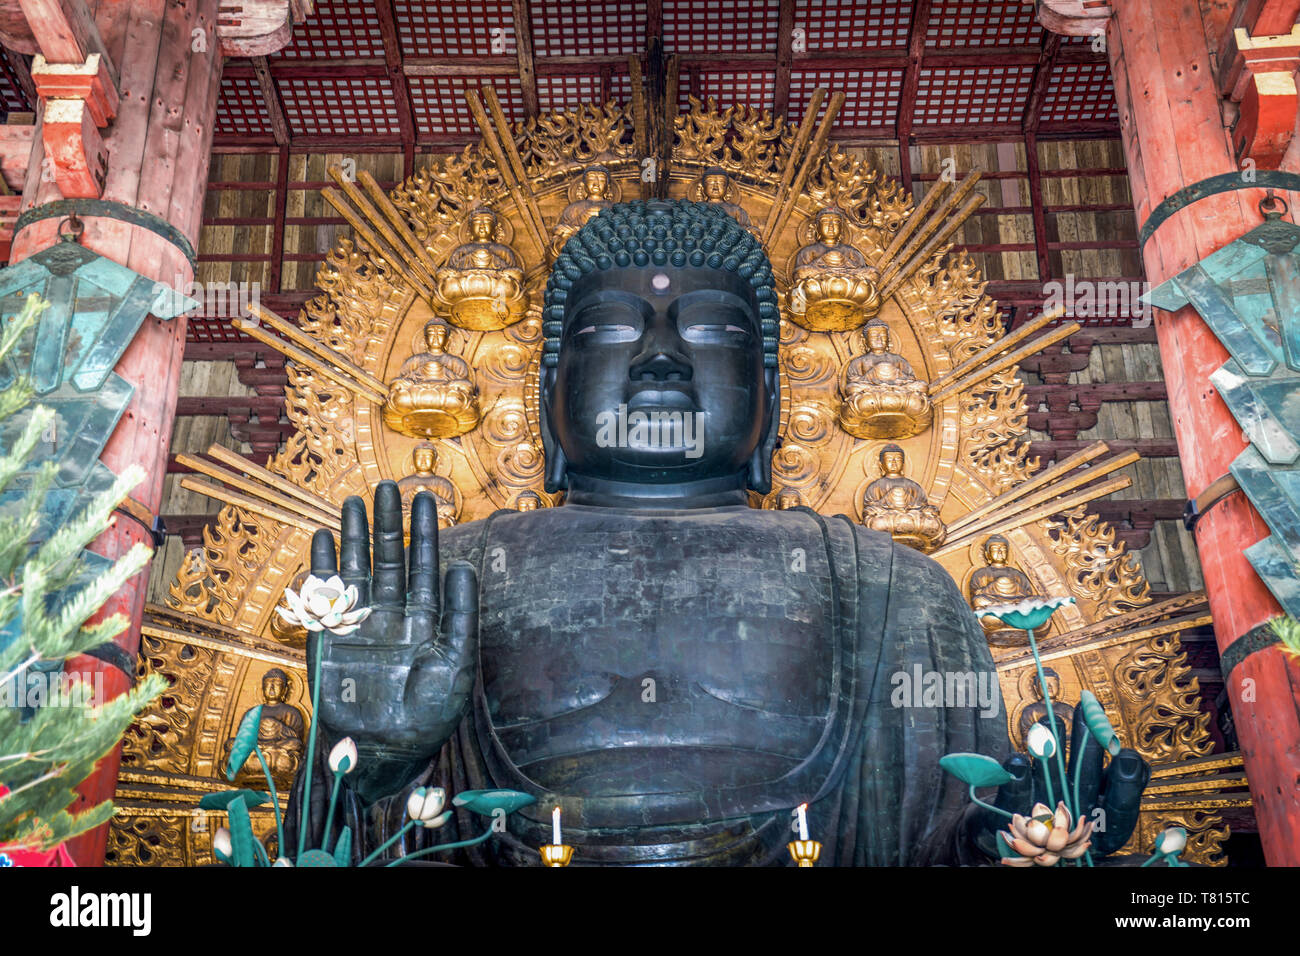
596 182
891 460
660 312
1053 684
876 334
275 686
435 336
830 226
997 550
715 182
425 458
527 501
788 499
483 224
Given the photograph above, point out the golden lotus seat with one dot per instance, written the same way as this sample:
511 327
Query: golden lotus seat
834 287
481 288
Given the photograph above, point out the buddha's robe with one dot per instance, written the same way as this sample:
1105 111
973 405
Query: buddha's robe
772 639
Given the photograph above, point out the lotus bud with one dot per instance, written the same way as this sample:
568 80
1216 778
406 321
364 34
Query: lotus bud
222 846
1172 840
1040 742
344 756
283 861
425 803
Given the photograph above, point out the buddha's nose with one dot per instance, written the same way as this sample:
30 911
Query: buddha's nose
660 365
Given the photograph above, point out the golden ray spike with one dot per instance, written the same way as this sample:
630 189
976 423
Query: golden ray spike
372 241
506 140
1052 649
258 490
992 368
934 247
1084 476
997 348
1042 511
310 361
380 199
640 128
381 225
1045 476
792 158
810 159
503 164
920 213
248 503
235 460
943 222
318 348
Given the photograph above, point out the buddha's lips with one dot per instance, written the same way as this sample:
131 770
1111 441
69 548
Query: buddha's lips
663 395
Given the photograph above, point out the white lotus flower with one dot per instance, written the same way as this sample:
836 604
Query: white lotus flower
1040 741
344 749
221 844
425 804
283 861
1173 840
324 604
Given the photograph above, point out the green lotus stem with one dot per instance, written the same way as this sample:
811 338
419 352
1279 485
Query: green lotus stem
989 806
389 842
261 851
275 800
449 846
1047 779
1153 858
311 745
1078 766
1051 717
329 817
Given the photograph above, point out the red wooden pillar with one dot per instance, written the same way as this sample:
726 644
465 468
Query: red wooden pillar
169 58
1174 135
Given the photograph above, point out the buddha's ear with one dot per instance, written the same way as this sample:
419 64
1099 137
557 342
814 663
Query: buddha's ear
556 476
760 465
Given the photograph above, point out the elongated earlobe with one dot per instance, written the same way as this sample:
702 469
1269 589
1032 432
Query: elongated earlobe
760 464
556 476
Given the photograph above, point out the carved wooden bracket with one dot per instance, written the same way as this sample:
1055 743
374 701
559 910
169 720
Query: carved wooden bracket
259 27
80 100
1074 18
1259 74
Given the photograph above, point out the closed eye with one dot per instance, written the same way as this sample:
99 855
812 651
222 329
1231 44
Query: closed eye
615 329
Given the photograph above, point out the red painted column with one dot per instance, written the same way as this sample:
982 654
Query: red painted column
168 57
1174 135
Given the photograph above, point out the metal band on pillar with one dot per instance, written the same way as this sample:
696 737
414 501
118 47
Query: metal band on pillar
1256 639
107 209
1224 182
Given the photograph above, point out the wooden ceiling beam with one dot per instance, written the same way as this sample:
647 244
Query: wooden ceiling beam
784 58
524 52
271 99
911 83
65 31
397 78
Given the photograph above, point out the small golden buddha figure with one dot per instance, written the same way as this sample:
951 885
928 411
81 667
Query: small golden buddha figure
528 501
880 394
425 460
433 395
482 285
282 630
715 186
834 288
999 583
281 734
897 505
788 499
1037 709
592 193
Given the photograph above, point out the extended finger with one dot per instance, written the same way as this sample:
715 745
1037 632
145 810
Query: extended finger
388 582
324 562
459 627
1086 761
355 548
422 580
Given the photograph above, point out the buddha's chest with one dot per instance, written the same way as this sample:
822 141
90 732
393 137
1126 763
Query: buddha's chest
669 628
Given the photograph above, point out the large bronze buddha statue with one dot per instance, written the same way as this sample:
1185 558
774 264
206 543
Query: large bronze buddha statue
674 669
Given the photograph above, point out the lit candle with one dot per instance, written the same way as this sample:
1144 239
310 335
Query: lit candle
803 821
555 827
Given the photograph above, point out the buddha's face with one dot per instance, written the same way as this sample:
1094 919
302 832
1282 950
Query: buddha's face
483 226
787 500
526 503
667 345
878 338
273 688
829 228
435 338
424 460
596 182
715 187
891 462
995 552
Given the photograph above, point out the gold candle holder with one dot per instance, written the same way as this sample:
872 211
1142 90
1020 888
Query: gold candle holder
556 854
805 852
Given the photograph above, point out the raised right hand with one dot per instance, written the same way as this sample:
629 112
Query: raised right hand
401 683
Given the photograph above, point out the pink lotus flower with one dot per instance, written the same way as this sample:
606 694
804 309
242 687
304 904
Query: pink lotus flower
1045 838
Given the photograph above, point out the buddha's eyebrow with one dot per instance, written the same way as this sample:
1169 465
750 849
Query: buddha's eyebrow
598 297
711 297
